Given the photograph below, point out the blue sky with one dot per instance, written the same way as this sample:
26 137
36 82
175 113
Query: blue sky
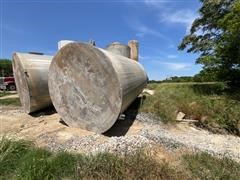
37 25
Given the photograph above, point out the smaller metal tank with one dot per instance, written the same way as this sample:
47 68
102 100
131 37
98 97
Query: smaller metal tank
119 49
31 77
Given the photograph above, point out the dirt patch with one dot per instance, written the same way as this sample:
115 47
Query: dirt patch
41 126
126 136
11 96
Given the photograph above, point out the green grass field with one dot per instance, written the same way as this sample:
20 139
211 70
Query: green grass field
212 104
10 101
2 93
21 160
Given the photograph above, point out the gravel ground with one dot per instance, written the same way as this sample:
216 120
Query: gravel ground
145 131
94 144
152 133
191 138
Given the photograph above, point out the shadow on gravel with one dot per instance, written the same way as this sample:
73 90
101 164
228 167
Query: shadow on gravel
125 121
47 111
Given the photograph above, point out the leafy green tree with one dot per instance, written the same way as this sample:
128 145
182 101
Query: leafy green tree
5 67
215 35
228 46
206 75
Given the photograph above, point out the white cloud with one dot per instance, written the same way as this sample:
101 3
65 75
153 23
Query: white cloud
155 3
170 15
184 16
171 46
174 66
172 56
177 66
144 57
144 30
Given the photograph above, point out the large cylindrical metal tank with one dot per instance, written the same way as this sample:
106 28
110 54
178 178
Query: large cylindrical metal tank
31 77
119 49
90 87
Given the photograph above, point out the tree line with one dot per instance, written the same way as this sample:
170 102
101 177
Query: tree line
6 67
197 78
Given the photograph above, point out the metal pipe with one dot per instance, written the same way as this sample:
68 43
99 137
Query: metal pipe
90 87
31 77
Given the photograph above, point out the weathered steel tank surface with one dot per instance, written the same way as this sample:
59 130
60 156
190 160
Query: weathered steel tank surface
134 48
90 87
31 77
119 49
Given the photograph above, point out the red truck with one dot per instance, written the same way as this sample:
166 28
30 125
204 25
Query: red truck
7 83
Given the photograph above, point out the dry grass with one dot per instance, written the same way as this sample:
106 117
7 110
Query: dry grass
4 93
10 101
210 104
21 160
